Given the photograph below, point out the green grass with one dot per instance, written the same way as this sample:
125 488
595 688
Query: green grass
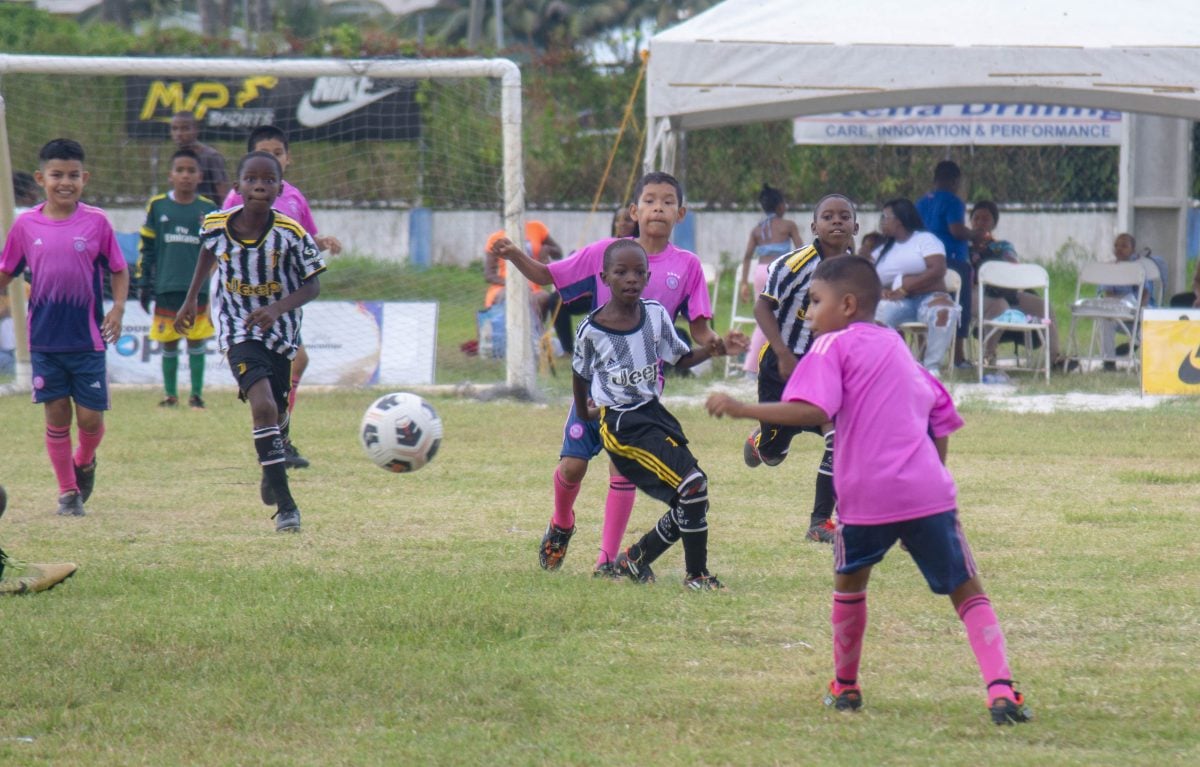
409 622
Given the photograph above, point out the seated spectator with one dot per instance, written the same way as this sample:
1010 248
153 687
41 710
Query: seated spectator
1124 249
871 241
912 264
539 245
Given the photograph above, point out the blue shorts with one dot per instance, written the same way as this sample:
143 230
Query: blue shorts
82 376
936 543
581 439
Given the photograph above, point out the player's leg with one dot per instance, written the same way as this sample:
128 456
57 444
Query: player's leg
257 371
580 444
89 391
162 330
197 338
52 389
170 371
299 365
618 506
820 524
939 547
767 444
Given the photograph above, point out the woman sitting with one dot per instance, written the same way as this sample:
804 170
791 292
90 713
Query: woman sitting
912 264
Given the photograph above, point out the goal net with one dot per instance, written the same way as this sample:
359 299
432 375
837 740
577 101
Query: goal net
410 164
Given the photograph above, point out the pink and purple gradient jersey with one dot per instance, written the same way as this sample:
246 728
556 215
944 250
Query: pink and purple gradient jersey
290 203
66 258
676 279
887 410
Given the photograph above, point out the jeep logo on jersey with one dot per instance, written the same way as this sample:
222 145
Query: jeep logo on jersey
634 377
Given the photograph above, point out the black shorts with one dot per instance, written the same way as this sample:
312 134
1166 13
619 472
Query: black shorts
648 447
252 361
773 439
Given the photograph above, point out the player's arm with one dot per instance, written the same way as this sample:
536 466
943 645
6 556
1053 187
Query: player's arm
534 271
187 313
110 328
266 316
768 323
798 413
734 342
328 242
580 389
703 334
146 266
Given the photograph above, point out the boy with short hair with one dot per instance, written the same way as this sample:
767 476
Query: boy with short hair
267 267
781 312
66 245
894 420
170 249
677 282
290 202
619 350
185 132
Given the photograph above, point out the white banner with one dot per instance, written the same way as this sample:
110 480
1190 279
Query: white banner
349 343
959 124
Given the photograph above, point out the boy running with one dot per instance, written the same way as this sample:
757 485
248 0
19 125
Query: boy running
894 420
170 249
67 245
267 267
619 350
677 282
782 315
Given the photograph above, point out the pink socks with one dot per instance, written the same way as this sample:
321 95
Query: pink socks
987 642
564 501
88 442
58 446
617 508
292 394
849 621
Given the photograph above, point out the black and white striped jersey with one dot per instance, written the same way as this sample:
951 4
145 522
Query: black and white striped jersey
254 274
623 366
788 280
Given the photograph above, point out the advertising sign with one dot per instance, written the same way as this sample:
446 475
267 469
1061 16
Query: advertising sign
1171 351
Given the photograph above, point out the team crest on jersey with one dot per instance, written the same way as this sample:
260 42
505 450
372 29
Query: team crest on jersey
274 255
672 281
80 244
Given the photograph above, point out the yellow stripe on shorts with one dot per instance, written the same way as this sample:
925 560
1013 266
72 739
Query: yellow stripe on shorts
643 458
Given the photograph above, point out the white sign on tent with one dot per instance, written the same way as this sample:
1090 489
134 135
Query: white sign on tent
963 124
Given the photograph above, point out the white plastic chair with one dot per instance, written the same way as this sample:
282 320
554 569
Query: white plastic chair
915 332
744 323
1088 305
1010 276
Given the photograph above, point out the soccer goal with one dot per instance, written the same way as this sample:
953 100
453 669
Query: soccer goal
411 164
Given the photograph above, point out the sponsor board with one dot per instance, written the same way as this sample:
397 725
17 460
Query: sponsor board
1171 351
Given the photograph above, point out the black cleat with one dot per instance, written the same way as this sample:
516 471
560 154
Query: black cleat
554 547
292 457
85 478
634 571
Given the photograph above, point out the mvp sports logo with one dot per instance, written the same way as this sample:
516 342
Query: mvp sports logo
320 109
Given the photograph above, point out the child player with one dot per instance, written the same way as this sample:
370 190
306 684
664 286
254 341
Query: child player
66 245
781 312
893 420
170 249
619 349
677 282
267 269
290 202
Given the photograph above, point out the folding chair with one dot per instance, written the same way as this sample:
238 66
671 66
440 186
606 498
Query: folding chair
1090 305
744 323
914 332
1010 276
1154 278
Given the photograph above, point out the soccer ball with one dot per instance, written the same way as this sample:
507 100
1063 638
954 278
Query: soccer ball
400 432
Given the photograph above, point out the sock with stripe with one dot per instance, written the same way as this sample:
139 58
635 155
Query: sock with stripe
196 370
58 446
618 505
656 541
269 445
88 442
987 642
849 619
170 368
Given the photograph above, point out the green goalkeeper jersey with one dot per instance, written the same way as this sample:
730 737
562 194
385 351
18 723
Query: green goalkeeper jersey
171 242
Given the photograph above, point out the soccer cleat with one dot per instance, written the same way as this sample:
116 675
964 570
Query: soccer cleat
3 502
1005 711
849 699
750 450
704 582
195 403
265 491
85 478
70 504
26 578
606 571
822 532
554 547
287 521
634 571
292 457
169 401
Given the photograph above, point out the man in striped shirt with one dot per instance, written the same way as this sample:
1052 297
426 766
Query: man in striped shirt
267 268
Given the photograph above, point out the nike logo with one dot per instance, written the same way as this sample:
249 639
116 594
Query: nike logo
343 96
1188 372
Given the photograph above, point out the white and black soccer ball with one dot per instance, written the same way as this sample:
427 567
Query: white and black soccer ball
401 432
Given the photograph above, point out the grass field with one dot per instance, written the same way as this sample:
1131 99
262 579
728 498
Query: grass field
409 623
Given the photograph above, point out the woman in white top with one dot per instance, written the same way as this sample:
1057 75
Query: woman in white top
911 264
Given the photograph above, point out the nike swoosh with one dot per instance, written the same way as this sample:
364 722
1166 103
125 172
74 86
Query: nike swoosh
313 116
1189 373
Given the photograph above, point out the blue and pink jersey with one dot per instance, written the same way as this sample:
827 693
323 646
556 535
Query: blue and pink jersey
66 258
676 279
887 409
290 202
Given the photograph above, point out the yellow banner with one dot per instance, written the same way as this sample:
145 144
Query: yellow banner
1171 352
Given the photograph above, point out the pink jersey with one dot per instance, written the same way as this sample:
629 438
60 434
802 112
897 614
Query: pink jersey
676 279
290 203
886 408
66 258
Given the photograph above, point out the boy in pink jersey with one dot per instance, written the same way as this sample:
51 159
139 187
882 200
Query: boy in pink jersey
677 282
290 202
893 421
67 246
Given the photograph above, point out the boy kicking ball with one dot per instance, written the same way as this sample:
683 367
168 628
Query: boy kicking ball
893 422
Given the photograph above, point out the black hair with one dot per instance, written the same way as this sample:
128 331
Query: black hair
266 133
617 216
946 170
853 274
657 177
906 213
184 153
189 114
1132 239
255 155
61 149
871 235
24 185
990 207
770 198
610 252
835 196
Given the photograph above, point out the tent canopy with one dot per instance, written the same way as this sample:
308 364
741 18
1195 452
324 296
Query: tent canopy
757 60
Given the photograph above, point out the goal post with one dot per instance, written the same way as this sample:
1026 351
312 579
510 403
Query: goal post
497 183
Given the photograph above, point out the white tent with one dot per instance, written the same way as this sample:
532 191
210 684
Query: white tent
749 61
